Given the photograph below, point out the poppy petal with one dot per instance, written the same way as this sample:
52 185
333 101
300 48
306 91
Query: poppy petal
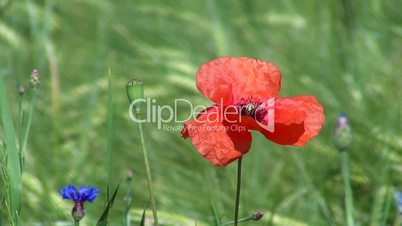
297 120
214 139
227 80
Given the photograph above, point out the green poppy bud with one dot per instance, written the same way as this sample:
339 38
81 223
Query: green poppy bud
342 135
135 91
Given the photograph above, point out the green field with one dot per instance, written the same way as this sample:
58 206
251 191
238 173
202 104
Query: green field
347 53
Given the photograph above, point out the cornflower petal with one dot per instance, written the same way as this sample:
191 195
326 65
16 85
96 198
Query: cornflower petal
80 195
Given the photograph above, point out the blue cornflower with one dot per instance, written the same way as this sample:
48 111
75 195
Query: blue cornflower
398 199
79 196
83 194
342 120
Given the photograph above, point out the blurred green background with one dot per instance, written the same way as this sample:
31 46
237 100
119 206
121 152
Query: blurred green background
347 53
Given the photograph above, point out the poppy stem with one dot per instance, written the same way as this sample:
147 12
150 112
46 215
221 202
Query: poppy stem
144 151
76 223
236 217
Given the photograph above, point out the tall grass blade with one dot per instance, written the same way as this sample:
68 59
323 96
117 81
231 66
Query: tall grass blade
13 164
143 217
110 132
318 197
3 178
107 194
104 217
217 221
387 207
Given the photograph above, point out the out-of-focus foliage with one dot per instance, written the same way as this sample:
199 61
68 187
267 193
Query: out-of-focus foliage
347 53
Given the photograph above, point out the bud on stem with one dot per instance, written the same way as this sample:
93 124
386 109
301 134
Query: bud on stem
78 211
21 90
257 215
342 135
35 80
135 91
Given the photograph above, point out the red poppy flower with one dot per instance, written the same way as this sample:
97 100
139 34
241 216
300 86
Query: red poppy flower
245 92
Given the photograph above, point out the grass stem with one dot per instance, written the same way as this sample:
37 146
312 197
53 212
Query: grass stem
216 215
12 182
20 126
28 128
110 134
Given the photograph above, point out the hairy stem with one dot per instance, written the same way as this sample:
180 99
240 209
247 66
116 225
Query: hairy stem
236 217
144 151
348 189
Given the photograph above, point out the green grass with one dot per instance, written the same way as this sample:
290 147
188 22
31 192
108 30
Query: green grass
11 171
347 53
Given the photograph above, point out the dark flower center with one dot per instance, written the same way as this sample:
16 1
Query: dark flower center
254 109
